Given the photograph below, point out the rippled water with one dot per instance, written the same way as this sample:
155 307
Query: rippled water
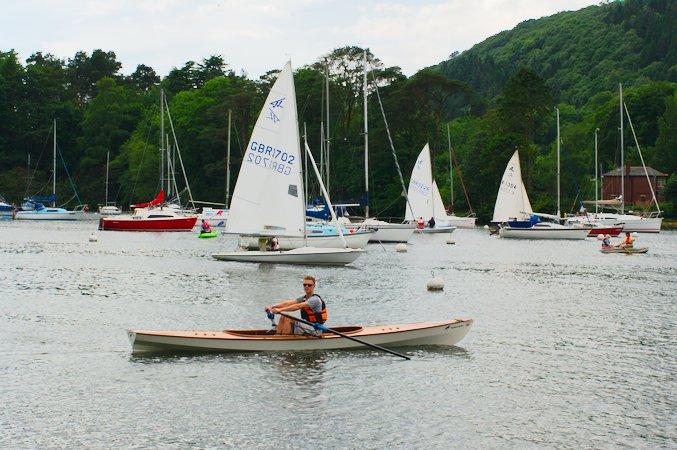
570 348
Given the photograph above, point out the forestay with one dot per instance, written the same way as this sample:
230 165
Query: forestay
420 191
268 195
512 201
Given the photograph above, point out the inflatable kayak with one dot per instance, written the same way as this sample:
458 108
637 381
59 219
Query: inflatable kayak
210 234
625 250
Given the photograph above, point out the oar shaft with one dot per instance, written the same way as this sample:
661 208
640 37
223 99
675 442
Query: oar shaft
378 347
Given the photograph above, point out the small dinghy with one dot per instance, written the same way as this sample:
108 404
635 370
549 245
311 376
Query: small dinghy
625 250
209 234
448 332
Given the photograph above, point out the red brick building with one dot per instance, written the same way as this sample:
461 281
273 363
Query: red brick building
637 190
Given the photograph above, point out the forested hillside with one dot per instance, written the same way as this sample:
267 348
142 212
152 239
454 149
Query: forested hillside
498 96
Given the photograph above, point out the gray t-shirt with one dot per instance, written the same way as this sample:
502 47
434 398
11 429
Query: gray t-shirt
313 301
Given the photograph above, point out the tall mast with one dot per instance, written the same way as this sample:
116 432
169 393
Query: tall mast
596 175
170 167
366 139
228 162
162 138
559 215
54 168
304 191
620 111
328 134
107 162
451 171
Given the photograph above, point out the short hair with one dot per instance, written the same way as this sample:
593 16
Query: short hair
309 277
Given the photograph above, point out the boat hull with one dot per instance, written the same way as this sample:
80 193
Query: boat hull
440 229
303 256
152 224
355 240
629 222
433 333
392 234
543 233
624 250
611 231
461 222
36 215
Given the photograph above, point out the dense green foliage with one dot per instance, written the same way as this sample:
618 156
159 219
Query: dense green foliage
500 96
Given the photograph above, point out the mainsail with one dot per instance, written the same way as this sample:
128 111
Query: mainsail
268 195
420 191
512 201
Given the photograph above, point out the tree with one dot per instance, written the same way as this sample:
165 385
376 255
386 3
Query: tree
84 71
144 78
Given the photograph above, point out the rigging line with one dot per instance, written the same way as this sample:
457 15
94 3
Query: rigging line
460 177
392 146
138 171
37 163
68 175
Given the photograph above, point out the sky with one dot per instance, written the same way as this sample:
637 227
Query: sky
256 35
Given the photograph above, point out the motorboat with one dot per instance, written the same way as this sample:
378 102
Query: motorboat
151 218
442 333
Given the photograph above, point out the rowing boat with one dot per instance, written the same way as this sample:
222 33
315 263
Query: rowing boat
448 332
626 250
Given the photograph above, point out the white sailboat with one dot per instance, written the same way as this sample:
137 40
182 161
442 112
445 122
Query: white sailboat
268 199
513 210
630 222
41 212
108 209
453 219
425 201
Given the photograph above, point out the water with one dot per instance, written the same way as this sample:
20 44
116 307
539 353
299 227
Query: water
570 348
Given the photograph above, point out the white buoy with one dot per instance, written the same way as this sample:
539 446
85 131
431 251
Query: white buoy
435 283
93 237
401 248
600 237
486 227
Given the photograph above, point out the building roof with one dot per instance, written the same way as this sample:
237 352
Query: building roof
635 171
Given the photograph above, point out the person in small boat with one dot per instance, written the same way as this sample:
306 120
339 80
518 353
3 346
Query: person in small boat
606 242
431 223
205 227
313 309
420 223
628 241
274 244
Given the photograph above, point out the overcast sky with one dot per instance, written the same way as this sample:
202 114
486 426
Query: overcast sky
259 35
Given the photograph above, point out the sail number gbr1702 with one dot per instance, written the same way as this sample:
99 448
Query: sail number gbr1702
270 158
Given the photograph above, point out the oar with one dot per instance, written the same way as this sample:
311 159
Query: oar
323 328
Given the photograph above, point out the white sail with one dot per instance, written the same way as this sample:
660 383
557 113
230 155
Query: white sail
420 191
438 206
512 201
268 195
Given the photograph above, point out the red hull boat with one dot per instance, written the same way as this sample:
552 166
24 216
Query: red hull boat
611 231
151 224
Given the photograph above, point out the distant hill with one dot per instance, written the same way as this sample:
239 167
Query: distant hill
578 53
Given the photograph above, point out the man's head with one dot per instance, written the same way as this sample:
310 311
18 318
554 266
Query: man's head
627 233
308 284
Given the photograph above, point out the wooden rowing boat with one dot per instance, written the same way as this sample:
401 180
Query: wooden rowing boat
626 250
448 332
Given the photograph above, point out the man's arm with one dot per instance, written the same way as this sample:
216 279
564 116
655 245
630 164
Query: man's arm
282 304
287 306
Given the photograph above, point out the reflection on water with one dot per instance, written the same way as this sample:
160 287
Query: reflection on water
569 348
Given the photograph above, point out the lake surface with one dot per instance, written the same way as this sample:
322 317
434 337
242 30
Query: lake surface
570 347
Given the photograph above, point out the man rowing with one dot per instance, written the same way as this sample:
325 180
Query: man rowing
628 241
312 309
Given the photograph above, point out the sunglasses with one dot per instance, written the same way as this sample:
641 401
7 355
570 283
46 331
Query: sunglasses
308 285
